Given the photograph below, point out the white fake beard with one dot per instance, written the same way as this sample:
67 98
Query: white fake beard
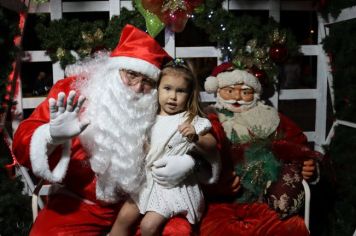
119 121
228 104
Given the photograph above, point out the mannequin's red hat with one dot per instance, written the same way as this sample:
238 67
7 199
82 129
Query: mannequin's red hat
139 52
226 74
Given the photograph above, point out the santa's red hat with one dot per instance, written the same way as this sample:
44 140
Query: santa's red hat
139 52
225 75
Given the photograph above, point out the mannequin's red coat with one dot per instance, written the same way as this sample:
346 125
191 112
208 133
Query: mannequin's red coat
224 217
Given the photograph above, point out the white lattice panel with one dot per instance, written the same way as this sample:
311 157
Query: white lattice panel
56 8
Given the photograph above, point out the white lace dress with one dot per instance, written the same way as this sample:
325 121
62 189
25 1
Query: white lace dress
186 198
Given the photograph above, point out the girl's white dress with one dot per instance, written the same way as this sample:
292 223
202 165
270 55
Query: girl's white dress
186 198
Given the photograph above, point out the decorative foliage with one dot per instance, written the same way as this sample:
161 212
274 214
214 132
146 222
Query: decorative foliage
259 167
243 40
343 209
63 37
15 207
8 28
340 46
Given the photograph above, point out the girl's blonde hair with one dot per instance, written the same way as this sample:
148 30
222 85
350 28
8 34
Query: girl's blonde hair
181 69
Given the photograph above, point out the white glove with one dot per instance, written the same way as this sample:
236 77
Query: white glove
169 171
64 122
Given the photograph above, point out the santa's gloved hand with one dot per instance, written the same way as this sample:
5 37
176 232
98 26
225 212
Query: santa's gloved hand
64 121
169 171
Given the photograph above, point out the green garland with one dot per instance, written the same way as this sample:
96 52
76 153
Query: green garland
342 207
342 50
234 34
231 33
8 30
62 36
15 207
340 46
258 168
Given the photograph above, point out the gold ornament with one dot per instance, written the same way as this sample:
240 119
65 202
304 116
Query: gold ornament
260 53
98 35
173 5
87 37
278 36
60 53
84 51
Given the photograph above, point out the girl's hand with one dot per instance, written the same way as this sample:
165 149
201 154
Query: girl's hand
188 131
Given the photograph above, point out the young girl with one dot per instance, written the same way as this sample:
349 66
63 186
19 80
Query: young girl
179 128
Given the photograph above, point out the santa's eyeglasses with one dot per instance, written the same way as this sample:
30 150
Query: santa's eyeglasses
133 78
243 91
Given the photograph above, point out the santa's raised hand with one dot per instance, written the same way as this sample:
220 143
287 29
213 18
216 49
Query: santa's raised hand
64 117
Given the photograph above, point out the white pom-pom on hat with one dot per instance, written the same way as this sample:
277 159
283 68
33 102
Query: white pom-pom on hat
211 84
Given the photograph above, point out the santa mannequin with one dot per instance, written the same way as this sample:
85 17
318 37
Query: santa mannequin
260 189
95 148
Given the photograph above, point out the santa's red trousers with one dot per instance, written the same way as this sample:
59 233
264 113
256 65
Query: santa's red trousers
68 216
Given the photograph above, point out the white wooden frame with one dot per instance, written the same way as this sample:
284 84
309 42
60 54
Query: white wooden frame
318 136
324 79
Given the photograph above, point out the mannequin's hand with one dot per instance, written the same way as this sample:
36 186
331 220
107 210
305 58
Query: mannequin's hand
308 169
169 171
64 122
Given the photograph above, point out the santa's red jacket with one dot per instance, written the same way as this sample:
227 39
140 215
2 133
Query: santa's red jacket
74 210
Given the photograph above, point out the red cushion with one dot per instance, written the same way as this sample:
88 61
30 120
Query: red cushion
255 219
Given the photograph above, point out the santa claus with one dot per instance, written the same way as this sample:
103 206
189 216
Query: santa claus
89 136
260 190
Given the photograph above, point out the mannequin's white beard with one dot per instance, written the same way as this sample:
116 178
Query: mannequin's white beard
228 104
119 121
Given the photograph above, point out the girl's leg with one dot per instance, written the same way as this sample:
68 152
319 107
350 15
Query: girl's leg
152 224
127 218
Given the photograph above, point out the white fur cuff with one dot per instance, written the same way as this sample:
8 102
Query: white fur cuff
39 156
213 175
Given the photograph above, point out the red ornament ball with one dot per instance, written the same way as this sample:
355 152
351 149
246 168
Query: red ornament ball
261 75
278 52
176 20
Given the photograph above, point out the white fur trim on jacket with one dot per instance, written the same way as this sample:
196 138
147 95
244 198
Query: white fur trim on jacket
210 176
39 156
135 64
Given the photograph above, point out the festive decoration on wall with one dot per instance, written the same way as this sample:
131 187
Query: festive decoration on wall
9 29
153 23
340 46
15 211
260 166
69 40
340 193
15 207
241 39
173 13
